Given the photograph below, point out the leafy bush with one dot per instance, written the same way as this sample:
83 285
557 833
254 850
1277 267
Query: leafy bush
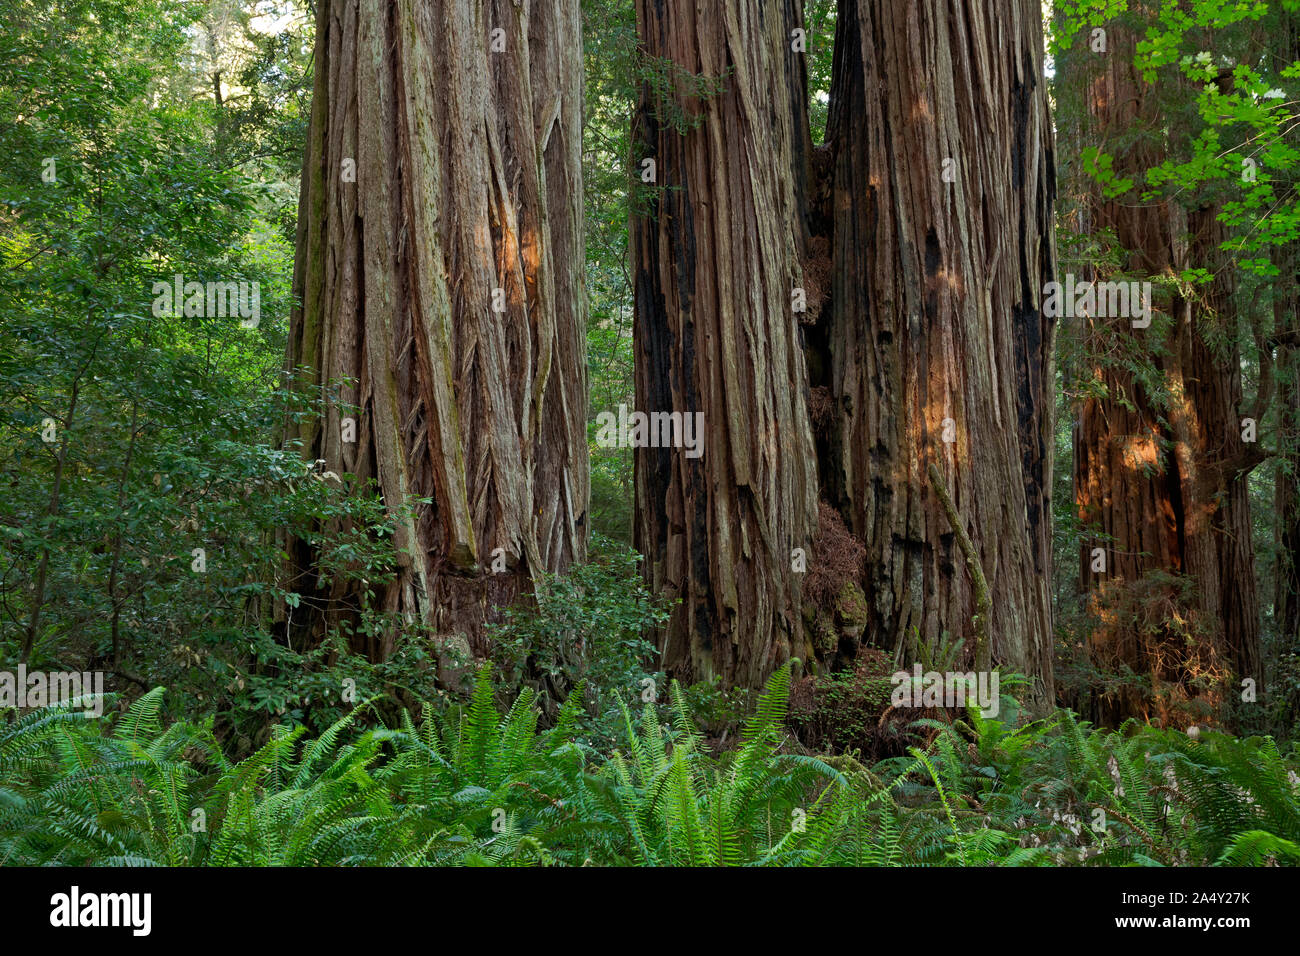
586 626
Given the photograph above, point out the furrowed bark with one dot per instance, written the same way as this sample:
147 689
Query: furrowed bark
445 285
1161 484
1286 309
1286 330
942 196
716 255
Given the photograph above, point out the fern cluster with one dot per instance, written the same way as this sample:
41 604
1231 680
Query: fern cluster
472 786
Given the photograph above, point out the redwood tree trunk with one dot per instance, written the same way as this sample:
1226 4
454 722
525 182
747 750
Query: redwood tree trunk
444 284
942 197
1161 480
716 257
1286 329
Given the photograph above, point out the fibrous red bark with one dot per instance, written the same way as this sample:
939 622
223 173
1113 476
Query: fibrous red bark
1160 474
716 259
439 270
942 197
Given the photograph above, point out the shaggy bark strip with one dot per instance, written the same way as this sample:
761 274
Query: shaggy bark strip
715 260
935 316
467 200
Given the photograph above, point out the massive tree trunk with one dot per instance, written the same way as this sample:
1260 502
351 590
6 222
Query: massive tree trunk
439 271
942 198
716 258
1286 331
1160 474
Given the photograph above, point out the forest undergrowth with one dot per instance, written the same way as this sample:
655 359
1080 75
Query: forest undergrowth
469 784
